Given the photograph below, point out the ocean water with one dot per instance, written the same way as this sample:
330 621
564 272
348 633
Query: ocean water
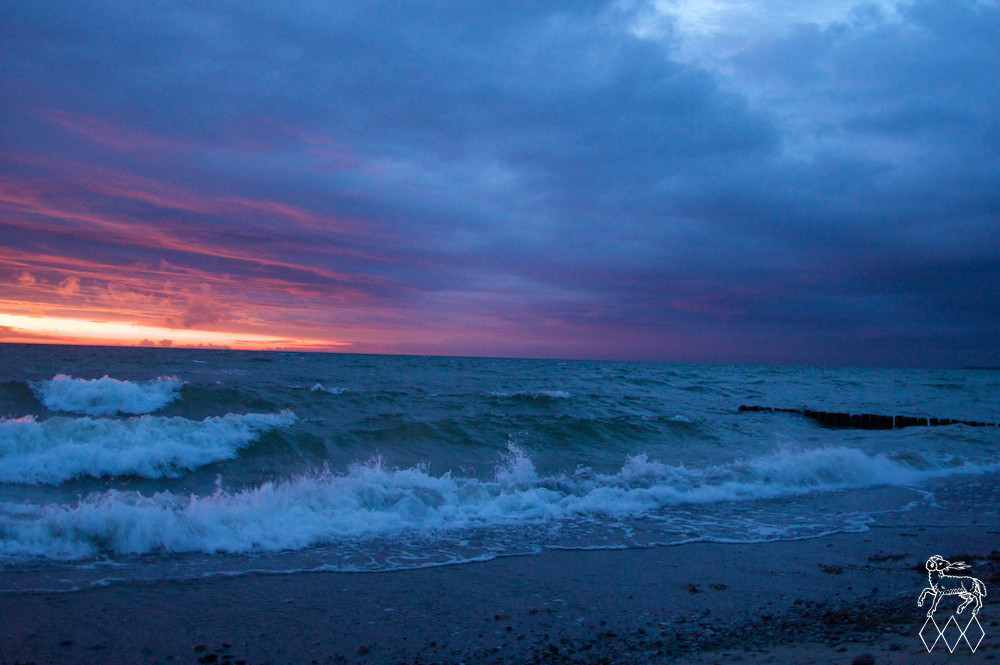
124 466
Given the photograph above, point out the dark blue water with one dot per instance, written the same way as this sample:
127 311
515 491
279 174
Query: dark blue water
187 462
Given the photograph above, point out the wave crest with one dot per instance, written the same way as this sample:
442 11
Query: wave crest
372 500
106 396
58 449
532 395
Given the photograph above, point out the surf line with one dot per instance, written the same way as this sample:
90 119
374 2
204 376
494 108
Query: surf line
868 420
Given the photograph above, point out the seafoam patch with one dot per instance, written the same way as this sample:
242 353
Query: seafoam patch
57 449
374 500
106 396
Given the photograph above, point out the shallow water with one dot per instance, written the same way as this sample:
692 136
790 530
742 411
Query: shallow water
188 462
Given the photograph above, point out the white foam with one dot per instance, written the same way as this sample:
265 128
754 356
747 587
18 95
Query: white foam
371 500
516 467
534 394
320 388
57 449
106 396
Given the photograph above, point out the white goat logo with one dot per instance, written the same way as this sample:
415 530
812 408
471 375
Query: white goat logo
969 589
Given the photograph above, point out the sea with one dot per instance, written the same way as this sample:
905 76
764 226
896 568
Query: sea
135 465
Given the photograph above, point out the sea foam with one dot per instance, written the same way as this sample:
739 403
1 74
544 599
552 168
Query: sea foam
320 388
372 500
531 394
57 449
106 396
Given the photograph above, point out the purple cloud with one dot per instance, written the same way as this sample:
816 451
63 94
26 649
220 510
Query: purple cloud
516 180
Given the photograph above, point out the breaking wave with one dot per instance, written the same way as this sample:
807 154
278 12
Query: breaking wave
106 396
320 388
58 449
531 395
371 500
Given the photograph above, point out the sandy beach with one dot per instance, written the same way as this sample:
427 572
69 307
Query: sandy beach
826 600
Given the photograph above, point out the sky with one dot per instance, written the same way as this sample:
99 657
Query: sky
792 182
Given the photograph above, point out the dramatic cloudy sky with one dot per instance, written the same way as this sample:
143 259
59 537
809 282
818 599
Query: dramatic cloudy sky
792 181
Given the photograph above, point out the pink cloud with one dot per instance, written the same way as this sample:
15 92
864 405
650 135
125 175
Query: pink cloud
115 136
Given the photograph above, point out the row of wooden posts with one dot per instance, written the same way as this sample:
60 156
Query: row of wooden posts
868 420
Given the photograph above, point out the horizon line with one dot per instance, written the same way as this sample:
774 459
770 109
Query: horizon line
489 357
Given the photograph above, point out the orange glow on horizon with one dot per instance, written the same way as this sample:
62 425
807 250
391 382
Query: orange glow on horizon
57 330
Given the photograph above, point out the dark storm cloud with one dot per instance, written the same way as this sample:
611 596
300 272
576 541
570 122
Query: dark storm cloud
481 169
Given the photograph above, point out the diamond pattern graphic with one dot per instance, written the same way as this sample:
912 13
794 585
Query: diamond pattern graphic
933 634
952 634
955 634
971 631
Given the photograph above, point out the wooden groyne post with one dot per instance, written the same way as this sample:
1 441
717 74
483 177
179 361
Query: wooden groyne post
868 420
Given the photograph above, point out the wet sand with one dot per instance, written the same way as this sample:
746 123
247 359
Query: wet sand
826 600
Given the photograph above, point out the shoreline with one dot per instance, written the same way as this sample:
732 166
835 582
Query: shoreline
825 599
